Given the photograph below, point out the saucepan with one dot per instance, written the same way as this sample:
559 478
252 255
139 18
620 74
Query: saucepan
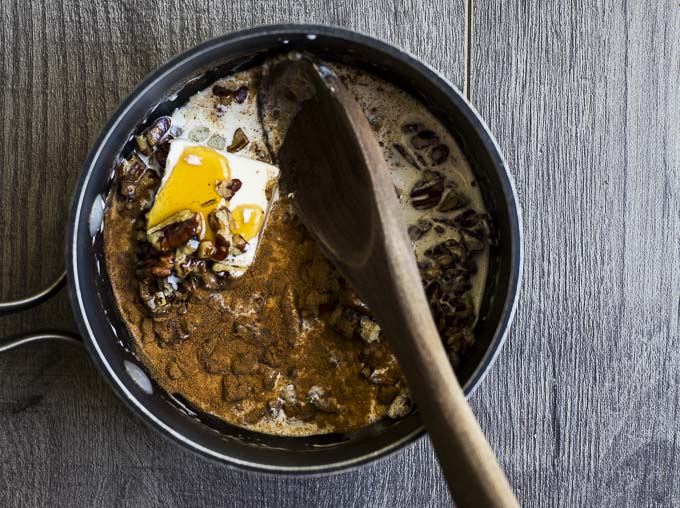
103 332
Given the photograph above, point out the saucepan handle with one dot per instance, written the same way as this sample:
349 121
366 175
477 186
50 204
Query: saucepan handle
12 306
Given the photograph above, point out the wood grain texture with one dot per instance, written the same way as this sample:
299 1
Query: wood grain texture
585 99
65 440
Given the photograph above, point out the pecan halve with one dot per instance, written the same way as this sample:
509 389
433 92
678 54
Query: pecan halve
427 193
175 230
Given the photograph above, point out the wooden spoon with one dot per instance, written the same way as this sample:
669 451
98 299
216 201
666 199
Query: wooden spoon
331 162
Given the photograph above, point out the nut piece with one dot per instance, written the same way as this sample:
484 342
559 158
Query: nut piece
175 230
241 94
369 329
427 193
318 398
219 218
129 173
155 134
472 240
239 142
400 407
188 265
221 91
239 244
188 248
222 244
454 200
439 154
227 188
288 395
160 154
225 95
206 249
220 268
143 145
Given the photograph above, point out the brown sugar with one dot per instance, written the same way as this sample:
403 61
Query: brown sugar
278 349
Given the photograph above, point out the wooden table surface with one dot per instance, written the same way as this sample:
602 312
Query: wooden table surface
583 405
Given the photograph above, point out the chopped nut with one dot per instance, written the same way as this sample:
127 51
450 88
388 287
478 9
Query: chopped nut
221 91
274 408
439 154
155 134
427 193
143 145
318 398
288 395
400 407
381 376
369 329
414 233
241 94
188 248
472 240
129 174
219 218
223 241
189 265
453 200
160 155
159 267
417 230
206 249
239 245
220 267
239 141
175 230
227 188
226 95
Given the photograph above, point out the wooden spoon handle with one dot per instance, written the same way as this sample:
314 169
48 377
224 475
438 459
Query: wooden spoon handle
468 462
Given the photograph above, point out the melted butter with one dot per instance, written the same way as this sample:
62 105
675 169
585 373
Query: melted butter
247 220
191 185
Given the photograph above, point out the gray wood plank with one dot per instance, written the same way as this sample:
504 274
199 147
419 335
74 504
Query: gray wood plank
585 99
65 440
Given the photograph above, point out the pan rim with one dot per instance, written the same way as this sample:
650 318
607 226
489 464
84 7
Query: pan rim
78 209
